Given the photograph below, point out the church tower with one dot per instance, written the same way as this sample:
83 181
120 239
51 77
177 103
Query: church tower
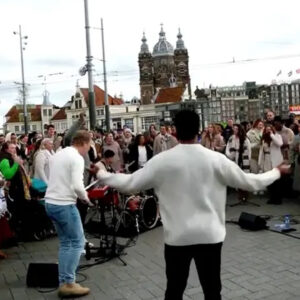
164 68
181 60
146 73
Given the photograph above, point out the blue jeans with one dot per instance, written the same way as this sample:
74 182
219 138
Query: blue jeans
69 229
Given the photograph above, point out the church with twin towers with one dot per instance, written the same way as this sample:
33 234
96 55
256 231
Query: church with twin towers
164 67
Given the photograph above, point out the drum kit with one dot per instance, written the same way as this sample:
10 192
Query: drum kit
120 219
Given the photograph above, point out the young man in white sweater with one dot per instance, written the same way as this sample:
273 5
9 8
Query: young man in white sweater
190 182
65 185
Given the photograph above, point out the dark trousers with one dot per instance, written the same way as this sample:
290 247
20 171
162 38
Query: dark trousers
276 190
208 263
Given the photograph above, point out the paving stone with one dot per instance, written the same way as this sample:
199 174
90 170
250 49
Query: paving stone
255 265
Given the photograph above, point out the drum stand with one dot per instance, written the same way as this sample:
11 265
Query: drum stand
108 248
243 200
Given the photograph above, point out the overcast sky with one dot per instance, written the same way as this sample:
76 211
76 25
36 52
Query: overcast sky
214 31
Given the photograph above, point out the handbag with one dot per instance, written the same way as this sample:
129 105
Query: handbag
38 185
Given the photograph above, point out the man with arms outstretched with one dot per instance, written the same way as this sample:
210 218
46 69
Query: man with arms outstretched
190 182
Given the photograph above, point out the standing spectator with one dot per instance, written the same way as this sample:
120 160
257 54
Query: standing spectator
22 149
11 167
6 235
57 145
11 137
228 130
287 137
110 144
163 141
140 153
173 131
2 140
246 125
50 134
152 135
296 160
34 153
99 141
42 160
270 117
31 140
254 135
291 120
270 156
238 149
212 139
93 155
126 139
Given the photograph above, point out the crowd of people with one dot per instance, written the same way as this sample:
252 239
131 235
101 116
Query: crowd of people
255 147
25 162
258 147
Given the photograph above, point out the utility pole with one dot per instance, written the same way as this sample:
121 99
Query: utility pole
89 58
25 115
107 113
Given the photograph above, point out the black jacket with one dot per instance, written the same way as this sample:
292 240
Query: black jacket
134 156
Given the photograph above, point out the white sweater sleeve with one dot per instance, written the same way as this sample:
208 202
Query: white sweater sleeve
232 175
77 170
142 179
277 139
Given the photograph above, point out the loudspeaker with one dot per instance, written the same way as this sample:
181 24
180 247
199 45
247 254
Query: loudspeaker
252 222
42 275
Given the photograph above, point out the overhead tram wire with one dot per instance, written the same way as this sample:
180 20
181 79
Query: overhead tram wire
133 72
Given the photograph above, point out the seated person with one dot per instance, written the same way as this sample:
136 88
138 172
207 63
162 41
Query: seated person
106 162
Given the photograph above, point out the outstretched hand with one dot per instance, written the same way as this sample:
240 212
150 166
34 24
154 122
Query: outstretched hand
284 169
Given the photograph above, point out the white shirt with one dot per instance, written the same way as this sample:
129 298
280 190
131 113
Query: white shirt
142 156
41 165
65 183
190 182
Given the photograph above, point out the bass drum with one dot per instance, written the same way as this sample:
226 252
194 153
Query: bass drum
148 212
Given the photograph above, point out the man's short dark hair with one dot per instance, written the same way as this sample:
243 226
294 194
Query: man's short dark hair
50 126
108 154
278 119
187 125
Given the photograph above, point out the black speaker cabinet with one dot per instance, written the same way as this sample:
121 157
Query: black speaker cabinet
42 275
251 222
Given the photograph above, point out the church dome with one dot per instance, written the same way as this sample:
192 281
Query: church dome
162 47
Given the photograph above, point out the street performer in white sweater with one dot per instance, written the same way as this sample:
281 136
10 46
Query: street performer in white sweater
190 182
65 185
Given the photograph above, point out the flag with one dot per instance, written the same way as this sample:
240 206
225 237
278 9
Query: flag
298 71
279 73
290 73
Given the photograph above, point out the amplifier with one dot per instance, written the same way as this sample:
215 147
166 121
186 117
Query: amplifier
44 275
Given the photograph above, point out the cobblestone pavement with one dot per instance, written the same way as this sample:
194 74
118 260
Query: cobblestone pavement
255 265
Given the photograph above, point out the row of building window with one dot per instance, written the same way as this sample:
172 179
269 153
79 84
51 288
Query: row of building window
21 128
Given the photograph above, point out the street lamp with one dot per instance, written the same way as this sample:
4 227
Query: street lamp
22 47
